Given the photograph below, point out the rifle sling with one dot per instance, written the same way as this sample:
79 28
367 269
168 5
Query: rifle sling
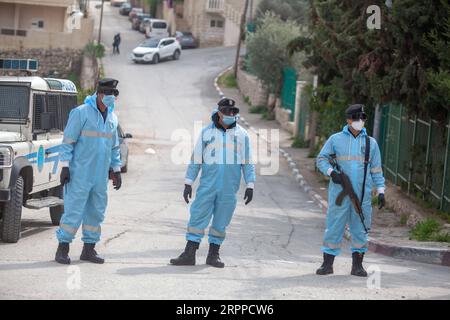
366 164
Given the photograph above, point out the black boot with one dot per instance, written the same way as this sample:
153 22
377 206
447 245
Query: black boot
187 258
213 258
327 265
357 267
62 253
89 254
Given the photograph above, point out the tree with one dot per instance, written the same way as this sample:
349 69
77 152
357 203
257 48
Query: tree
405 62
286 9
267 51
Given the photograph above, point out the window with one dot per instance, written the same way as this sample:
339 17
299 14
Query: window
169 42
216 24
37 23
159 25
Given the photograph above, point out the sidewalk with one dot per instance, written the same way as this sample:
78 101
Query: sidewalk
388 236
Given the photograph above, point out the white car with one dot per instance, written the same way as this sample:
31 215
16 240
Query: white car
156 49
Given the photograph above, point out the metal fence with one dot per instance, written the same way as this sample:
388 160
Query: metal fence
416 155
288 90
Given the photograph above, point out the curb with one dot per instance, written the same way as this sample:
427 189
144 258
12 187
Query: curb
424 255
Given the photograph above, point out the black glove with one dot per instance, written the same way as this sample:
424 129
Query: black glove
116 178
65 176
187 192
381 201
336 177
248 195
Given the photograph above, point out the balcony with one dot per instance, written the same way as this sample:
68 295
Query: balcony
214 6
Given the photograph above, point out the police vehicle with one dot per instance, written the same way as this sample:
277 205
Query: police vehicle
33 114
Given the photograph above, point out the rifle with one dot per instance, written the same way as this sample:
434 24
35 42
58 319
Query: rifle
347 189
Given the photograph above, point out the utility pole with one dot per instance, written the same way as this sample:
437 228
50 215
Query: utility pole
241 32
100 27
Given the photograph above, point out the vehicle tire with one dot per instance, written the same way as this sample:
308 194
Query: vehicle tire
56 212
155 59
176 55
12 214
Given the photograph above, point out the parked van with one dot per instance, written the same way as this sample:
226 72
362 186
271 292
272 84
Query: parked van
157 28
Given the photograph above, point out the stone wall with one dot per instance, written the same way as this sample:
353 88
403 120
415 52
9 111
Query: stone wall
283 116
251 87
56 63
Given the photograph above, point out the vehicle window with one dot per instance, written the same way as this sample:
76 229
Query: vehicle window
169 42
14 103
159 25
153 43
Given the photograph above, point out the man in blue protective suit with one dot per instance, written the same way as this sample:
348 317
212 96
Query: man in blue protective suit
349 149
90 151
221 153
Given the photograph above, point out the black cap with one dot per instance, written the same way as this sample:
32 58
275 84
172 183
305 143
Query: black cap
227 103
356 111
108 86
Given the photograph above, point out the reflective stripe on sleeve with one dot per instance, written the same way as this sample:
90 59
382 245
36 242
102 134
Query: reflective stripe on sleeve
376 170
68 140
96 134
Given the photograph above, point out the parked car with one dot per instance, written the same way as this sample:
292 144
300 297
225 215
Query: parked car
123 148
186 39
125 9
134 12
136 22
156 28
117 3
156 49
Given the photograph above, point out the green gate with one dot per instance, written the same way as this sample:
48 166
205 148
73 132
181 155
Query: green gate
415 155
289 89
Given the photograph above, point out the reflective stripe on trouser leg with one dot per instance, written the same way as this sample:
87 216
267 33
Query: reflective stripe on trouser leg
337 218
94 213
358 234
200 214
223 212
74 203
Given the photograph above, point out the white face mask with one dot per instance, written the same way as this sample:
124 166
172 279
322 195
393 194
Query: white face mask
358 125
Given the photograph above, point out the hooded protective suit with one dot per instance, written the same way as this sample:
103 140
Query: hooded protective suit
350 153
221 156
90 147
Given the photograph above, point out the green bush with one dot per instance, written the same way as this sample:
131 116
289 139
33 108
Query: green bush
267 49
429 230
258 109
299 143
97 50
227 80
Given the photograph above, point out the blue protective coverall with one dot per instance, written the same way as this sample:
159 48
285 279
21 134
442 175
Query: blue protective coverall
221 156
350 153
90 147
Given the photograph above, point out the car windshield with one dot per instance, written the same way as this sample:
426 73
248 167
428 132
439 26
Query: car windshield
14 103
152 43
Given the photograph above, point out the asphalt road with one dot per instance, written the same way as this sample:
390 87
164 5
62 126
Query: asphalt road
273 245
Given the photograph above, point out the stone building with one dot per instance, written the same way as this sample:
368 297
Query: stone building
27 24
216 22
